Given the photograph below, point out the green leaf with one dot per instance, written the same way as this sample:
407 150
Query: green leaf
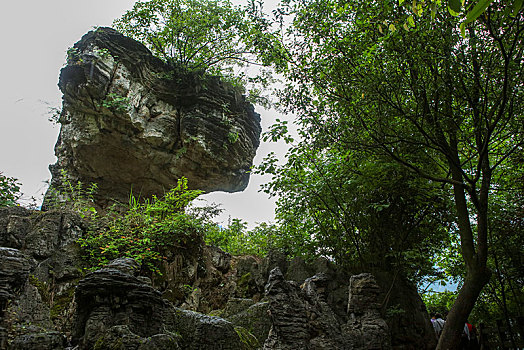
433 10
479 9
455 5
453 13
411 21
517 6
463 29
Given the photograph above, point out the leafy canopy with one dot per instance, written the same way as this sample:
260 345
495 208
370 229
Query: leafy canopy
357 209
198 34
446 106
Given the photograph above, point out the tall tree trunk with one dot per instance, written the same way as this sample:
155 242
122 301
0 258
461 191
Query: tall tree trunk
454 327
474 255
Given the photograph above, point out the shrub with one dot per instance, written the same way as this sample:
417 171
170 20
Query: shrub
147 231
9 191
237 239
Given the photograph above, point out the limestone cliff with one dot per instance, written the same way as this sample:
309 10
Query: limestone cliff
130 121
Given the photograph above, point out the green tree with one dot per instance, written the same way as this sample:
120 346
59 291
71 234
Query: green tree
503 296
447 107
9 191
362 211
238 240
198 34
466 11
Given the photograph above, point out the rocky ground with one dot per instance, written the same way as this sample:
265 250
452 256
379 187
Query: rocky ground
211 301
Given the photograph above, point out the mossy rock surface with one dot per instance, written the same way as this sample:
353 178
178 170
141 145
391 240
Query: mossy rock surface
249 341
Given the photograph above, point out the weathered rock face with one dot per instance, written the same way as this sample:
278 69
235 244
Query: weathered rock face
302 318
409 321
39 268
131 121
117 310
365 326
47 301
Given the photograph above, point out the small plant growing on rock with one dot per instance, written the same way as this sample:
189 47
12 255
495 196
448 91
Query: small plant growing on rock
102 53
232 137
116 102
72 195
148 231
9 191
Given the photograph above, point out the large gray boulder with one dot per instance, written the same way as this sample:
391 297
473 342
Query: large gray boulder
130 121
118 310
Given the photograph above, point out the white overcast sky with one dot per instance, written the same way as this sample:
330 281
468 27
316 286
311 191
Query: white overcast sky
36 35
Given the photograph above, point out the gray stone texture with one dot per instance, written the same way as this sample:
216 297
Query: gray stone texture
131 122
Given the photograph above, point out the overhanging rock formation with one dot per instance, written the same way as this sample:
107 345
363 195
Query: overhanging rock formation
130 121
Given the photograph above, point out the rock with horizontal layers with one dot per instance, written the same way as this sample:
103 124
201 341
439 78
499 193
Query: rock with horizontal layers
131 122
39 266
302 318
366 328
118 310
40 341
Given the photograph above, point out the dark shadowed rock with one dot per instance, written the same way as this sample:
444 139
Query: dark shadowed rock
409 325
112 297
302 318
365 327
289 318
249 315
200 331
117 310
131 121
39 341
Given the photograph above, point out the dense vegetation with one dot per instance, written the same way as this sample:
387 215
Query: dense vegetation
150 230
439 98
410 142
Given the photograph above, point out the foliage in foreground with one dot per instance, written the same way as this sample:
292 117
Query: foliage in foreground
151 231
146 231
9 191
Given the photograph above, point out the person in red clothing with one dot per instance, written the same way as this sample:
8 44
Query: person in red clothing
473 338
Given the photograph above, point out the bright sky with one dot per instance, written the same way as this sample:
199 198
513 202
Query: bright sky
36 36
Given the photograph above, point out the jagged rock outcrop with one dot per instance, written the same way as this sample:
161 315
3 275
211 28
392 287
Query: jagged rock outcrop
39 267
130 121
301 317
408 320
365 326
48 301
118 310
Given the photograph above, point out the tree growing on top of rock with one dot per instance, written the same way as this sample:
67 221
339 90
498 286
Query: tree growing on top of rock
211 36
206 35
